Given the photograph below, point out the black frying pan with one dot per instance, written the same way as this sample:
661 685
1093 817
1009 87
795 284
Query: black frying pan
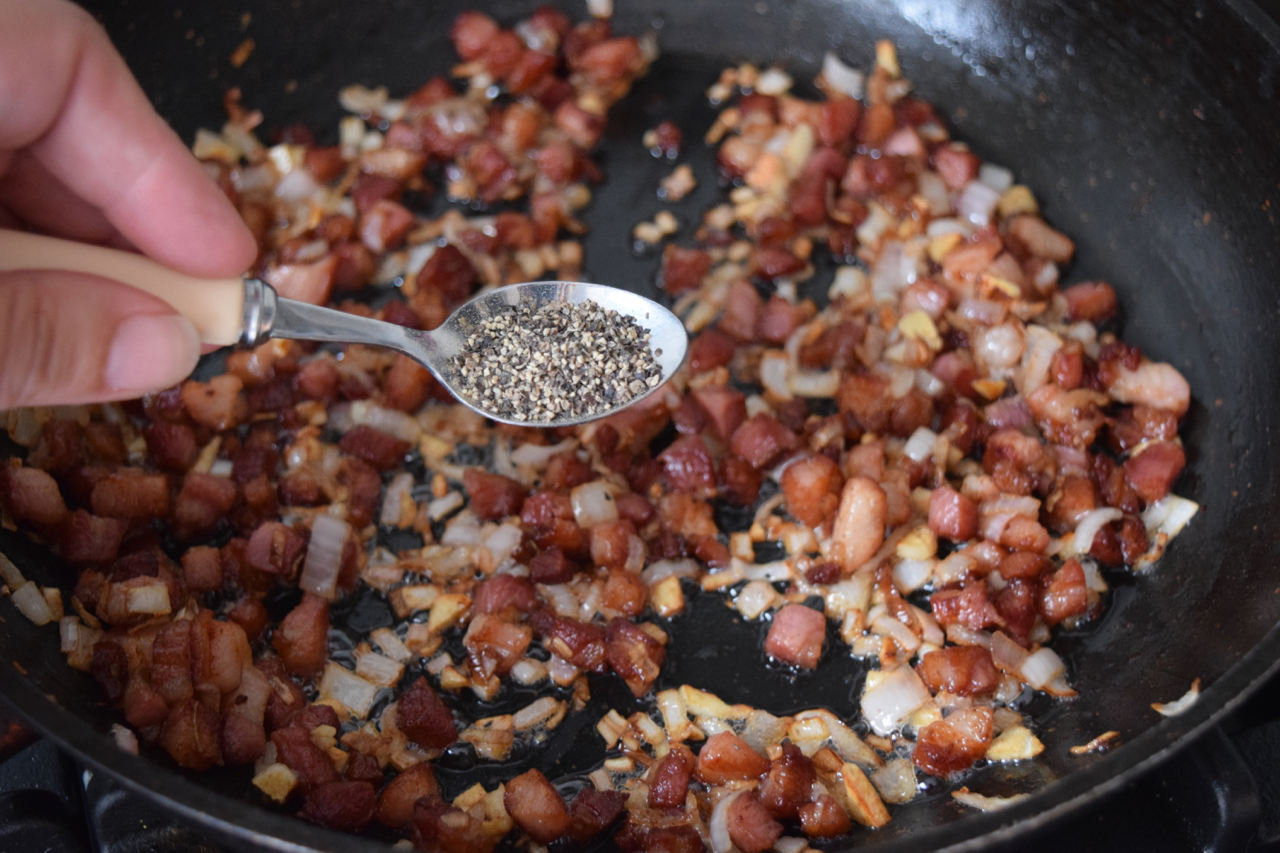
1149 131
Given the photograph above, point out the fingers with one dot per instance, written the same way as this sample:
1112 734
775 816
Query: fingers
70 98
44 203
68 338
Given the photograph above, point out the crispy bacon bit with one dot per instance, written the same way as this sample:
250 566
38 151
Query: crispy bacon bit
295 750
504 595
711 349
395 803
190 735
131 495
789 784
962 670
494 646
633 654
89 538
740 311
948 746
751 828
438 827
1066 594
669 779
423 718
683 269
344 806
952 515
375 447
761 440
796 636
592 812
302 639
726 757
1152 472
968 607
536 806
823 818
688 467
812 487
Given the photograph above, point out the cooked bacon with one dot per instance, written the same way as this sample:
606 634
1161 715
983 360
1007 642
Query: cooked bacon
711 349
1066 594
579 643
365 491
295 750
438 827
812 487
503 596
592 812
423 718
87 538
131 495
796 636
302 638
171 662
962 670
683 269
344 806
633 654
725 757
761 440
952 515
396 802
951 745
536 806
203 502
669 779
860 522
741 482
688 466
789 784
956 164
1074 496
276 548
751 828
969 607
170 446
624 592
493 496
407 384
741 308
1032 236
242 741
375 447
634 837
778 319
1094 301
494 646
1153 471
218 403
823 818
190 735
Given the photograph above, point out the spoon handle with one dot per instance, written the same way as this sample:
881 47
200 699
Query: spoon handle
268 315
214 306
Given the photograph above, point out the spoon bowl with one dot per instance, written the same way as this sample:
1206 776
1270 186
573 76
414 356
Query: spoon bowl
268 315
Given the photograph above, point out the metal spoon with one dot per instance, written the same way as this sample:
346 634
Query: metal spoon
248 311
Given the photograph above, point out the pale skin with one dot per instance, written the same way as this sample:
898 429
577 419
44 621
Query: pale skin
83 155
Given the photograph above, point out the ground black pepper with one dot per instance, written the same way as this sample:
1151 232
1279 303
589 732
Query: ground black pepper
561 361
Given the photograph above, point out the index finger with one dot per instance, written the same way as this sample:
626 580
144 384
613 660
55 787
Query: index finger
70 99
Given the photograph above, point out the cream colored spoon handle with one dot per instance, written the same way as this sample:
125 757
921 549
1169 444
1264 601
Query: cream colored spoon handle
214 306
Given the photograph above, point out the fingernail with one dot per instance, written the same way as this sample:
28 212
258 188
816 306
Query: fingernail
150 352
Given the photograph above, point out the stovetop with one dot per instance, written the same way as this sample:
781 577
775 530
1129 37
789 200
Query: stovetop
1219 795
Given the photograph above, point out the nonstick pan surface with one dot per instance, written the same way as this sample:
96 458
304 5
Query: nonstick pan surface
1148 131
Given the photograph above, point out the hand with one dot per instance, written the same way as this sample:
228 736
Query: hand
84 156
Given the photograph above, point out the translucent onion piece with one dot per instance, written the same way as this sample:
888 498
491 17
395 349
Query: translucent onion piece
894 699
841 77
718 825
324 556
593 504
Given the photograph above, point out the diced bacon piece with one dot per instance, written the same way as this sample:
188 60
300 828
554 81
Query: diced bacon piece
774 262
142 706
633 654
494 646
610 60
384 225
202 503
493 496
634 508
318 380
761 440
302 638
592 812
131 495
683 269
424 719
502 53
1094 301
741 308
241 740
311 282
969 607
1074 497
369 189
860 523
1024 534
90 538
823 818
171 446
876 124
502 595
565 470
1016 606
217 404
407 384
171 662
190 735
952 515
449 272
864 395
1153 472
1135 424
951 745
777 320
276 548
1072 418
219 652
344 806
971 259
796 636
812 487
725 757
375 447
395 803
724 407
536 806
711 349
544 508
740 481
624 592
361 767
962 670
789 784
110 668
531 68
669 779
688 466
295 750
1066 594
956 165
251 615
364 488
579 643
583 128
438 827
751 828
612 543
838 120
1033 237
471 33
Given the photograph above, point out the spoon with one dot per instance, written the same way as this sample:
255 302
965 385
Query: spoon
248 311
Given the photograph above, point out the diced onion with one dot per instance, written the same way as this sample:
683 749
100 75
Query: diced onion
538 454
600 8
12 577
976 203
1090 524
296 186
805 384
928 383
440 507
660 569
324 556
877 222
528 671
983 311
920 446
841 77
943 227
910 575
934 190
1172 709
1006 654
984 803
31 601
125 739
718 825
403 426
399 486
773 373
893 700
1169 515
893 271
774 81
848 282
593 504
345 687
896 781
538 712
391 644
463 529
1042 667
150 600
418 257
889 626
503 541
996 177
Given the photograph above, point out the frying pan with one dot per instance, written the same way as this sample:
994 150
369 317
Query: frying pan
1148 130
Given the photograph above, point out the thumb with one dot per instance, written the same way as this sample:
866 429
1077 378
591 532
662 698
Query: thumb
68 338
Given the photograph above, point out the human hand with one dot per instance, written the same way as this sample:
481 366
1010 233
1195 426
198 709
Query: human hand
84 156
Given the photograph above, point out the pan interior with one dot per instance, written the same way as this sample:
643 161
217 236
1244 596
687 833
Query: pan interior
1144 135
